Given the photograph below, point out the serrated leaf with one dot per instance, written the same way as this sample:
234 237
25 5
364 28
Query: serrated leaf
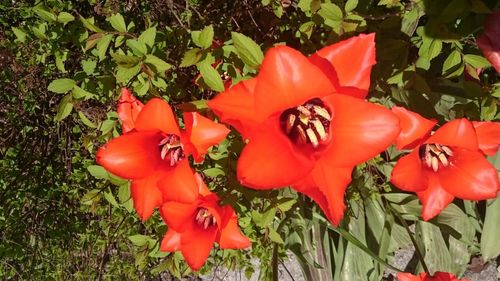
117 22
138 48
88 66
158 65
285 204
123 75
249 52
89 24
102 46
211 76
44 14
64 17
64 109
275 236
61 86
148 36
204 38
20 35
98 172
191 57
86 120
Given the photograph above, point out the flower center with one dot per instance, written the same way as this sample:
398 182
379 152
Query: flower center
307 123
171 149
204 218
435 155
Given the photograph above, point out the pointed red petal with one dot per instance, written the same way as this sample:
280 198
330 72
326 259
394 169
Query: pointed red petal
270 160
360 130
287 79
352 60
434 199
488 136
235 106
490 52
231 236
309 188
178 216
171 242
197 244
470 176
414 128
146 196
405 276
134 155
179 183
128 109
157 115
202 187
458 132
408 173
203 133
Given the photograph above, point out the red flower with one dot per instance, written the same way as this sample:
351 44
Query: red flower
128 110
153 154
303 127
438 276
194 227
447 163
489 41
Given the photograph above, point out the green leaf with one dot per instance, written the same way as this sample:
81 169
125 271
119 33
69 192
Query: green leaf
490 248
86 120
138 48
89 24
40 30
214 172
123 75
98 172
330 11
61 86
285 204
158 65
92 40
148 36
102 46
436 254
211 76
79 93
191 57
117 22
64 17
125 61
44 14
64 109
90 197
249 52
139 240
275 236
264 219
476 61
20 35
88 66
351 5
453 66
111 199
204 38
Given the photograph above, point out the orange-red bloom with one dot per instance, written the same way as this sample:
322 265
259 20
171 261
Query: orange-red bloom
153 153
438 276
128 110
194 227
447 163
303 124
489 41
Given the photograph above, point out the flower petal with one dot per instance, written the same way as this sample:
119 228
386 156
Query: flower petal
177 215
490 52
157 115
488 136
171 242
197 244
179 183
408 174
134 155
128 110
352 60
434 199
360 130
146 196
287 79
470 176
235 106
414 127
405 276
231 236
270 160
458 132
203 133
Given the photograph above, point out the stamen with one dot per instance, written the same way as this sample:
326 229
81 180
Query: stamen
436 155
171 149
290 122
205 219
320 129
312 137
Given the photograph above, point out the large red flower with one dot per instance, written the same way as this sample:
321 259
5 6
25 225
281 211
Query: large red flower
194 227
489 41
303 124
438 276
153 153
447 163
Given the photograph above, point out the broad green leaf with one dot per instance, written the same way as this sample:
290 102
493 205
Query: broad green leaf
214 172
139 240
92 40
90 197
204 38
79 93
64 17
249 52
453 65
191 57
436 254
125 61
89 66
351 5
330 11
102 46
64 109
275 236
123 75
117 22
40 30
158 65
210 76
490 246
148 36
124 192
111 199
98 172
20 35
61 86
89 24
264 219
86 120
285 204
476 61
44 14
138 48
